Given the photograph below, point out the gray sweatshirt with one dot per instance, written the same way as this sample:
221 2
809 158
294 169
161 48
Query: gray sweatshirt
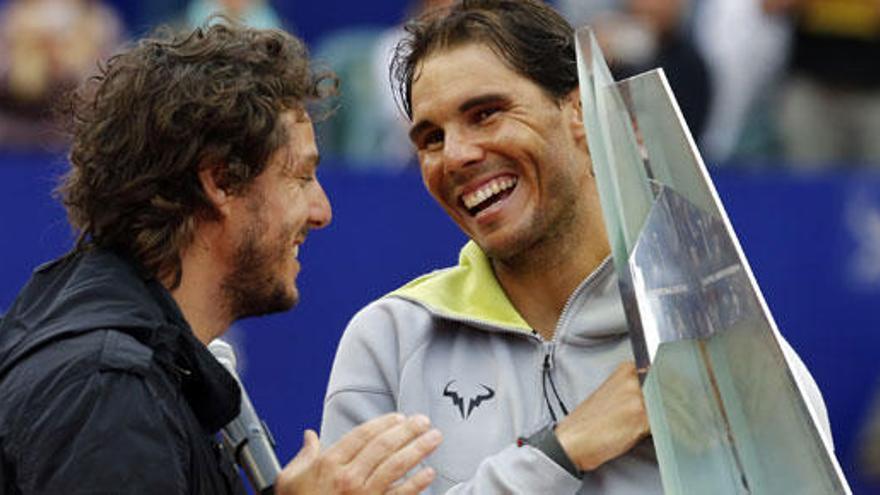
451 345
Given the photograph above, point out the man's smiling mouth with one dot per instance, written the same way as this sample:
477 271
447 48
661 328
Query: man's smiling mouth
488 194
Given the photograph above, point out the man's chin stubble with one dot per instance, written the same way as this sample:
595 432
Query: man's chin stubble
244 303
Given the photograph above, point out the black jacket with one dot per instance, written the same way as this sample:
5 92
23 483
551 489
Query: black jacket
105 389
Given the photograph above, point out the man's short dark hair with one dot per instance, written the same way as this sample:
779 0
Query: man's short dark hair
157 113
531 37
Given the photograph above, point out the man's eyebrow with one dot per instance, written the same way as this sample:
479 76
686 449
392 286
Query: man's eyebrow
481 100
296 165
466 106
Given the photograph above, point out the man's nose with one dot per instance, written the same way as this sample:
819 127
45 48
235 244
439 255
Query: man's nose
460 149
320 212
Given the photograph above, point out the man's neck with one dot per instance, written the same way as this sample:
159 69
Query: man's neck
199 295
541 281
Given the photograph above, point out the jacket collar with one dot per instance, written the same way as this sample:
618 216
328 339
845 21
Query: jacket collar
211 391
470 292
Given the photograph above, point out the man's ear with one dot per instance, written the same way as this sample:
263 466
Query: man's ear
215 189
576 124
577 115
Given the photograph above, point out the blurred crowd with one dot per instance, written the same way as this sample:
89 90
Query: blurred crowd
47 47
760 82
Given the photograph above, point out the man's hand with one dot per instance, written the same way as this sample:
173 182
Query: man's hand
368 460
608 423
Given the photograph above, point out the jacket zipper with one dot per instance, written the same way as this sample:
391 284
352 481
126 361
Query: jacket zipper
546 373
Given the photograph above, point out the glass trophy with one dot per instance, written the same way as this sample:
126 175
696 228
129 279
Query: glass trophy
727 414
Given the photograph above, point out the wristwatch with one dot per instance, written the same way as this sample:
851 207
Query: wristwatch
545 440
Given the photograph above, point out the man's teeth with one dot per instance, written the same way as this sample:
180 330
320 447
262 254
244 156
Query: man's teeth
488 190
296 250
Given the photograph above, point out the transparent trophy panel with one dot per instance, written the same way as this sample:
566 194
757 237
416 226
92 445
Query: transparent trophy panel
727 415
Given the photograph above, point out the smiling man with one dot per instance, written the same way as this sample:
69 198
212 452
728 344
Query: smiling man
520 354
192 185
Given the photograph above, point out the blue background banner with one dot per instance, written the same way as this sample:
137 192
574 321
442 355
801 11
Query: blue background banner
813 242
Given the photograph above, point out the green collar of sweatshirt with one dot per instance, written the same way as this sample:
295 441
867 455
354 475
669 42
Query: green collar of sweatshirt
468 291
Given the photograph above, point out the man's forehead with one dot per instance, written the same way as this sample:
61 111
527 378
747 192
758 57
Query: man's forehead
301 147
298 121
295 115
451 79
478 51
459 69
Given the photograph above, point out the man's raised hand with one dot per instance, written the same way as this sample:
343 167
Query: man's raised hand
371 459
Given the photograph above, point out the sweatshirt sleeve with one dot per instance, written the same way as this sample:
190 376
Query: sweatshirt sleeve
364 379
364 384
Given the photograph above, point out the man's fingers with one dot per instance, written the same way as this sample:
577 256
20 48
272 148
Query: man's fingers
399 463
300 464
311 445
386 445
351 444
414 484
625 369
310 449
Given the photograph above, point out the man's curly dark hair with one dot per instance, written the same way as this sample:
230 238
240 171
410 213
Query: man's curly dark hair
161 111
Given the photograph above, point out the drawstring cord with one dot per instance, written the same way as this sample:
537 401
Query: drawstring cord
546 375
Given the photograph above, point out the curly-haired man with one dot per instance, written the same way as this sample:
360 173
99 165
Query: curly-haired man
192 186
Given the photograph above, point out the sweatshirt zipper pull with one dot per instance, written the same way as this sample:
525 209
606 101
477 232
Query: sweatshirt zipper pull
548 356
545 375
